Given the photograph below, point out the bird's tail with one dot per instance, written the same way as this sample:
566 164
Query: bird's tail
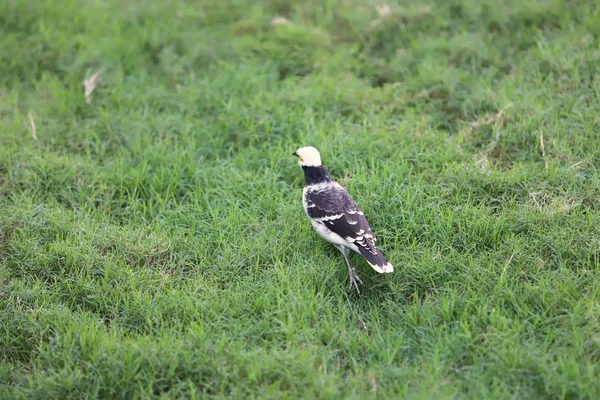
377 261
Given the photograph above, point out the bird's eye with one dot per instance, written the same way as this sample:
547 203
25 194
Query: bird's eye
300 158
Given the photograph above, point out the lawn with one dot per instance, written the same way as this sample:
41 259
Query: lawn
152 238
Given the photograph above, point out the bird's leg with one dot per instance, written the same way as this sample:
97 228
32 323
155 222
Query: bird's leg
354 279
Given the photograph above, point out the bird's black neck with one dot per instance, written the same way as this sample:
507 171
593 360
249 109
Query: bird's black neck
313 175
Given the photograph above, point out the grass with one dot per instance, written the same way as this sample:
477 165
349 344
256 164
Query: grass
153 242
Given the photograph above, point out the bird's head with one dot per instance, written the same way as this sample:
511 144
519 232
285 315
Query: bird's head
308 157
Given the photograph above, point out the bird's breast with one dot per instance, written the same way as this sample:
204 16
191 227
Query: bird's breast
305 200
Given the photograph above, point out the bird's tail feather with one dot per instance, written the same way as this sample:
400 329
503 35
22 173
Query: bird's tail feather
377 261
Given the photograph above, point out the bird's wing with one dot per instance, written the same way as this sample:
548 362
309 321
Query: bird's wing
336 209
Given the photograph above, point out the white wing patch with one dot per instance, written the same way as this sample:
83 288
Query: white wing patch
329 217
355 212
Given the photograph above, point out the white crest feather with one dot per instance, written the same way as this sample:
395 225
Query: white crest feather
308 157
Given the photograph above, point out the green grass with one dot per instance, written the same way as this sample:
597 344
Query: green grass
153 242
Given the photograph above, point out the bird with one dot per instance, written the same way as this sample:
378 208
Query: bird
336 217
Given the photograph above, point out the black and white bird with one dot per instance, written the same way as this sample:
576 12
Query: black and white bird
335 215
